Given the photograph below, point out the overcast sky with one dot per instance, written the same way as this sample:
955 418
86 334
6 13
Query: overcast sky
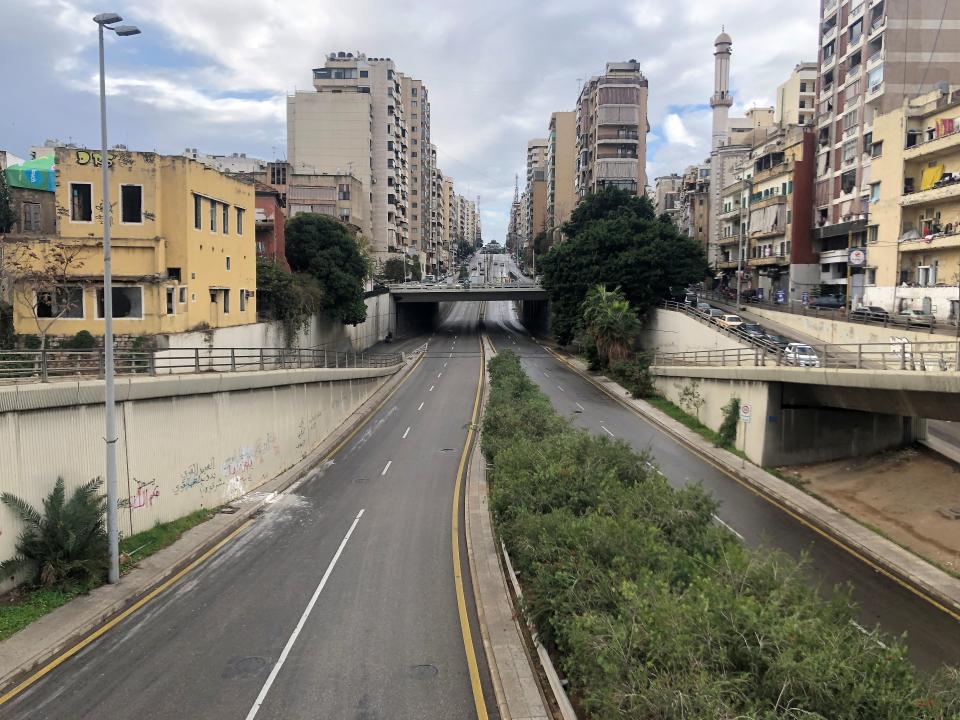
213 74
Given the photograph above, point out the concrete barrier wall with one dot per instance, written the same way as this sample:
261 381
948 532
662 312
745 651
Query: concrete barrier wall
841 332
185 442
671 331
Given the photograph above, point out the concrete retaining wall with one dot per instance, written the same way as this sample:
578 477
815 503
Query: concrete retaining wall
185 442
671 331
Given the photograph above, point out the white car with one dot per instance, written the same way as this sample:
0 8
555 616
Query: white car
802 355
730 321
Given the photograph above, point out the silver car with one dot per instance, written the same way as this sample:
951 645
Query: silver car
802 355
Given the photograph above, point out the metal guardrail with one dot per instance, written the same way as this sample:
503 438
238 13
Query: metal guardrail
44 365
943 356
443 287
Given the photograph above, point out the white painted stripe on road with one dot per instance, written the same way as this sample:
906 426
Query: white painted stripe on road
717 518
431 388
607 431
405 433
420 408
444 364
451 354
546 374
303 620
439 375
386 467
560 389
581 407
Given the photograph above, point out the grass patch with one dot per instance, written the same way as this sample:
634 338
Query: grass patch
21 607
144 544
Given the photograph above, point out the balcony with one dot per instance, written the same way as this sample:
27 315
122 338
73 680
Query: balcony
729 240
875 59
834 257
937 242
767 201
768 260
933 195
930 150
829 35
727 264
878 27
731 214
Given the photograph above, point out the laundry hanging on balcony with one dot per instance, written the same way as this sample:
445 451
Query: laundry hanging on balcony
931 176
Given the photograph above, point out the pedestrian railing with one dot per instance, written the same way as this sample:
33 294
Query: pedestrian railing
44 365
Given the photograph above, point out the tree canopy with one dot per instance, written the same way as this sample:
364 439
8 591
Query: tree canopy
325 249
616 239
610 322
290 299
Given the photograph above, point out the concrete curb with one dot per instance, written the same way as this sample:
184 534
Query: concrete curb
515 684
910 571
42 641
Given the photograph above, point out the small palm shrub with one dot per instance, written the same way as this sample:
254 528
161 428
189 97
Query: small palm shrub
65 545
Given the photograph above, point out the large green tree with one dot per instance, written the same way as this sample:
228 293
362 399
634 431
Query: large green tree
615 238
324 248
610 322
287 298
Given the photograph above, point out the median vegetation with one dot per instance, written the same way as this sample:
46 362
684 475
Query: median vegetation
652 610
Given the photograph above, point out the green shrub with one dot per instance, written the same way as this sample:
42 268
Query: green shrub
634 375
728 428
83 340
656 612
66 544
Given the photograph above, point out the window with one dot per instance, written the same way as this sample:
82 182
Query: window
131 204
62 302
803 103
278 174
174 273
170 304
413 91
239 221
849 150
243 300
127 302
415 153
81 202
226 219
345 215
228 262
364 73
875 78
183 294
876 150
871 276
874 193
31 217
848 181
803 87
226 302
414 206
873 233
343 192
213 216
197 214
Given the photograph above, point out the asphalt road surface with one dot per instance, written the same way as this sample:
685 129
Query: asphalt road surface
933 636
382 640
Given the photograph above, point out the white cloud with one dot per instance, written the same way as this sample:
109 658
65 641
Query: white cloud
676 132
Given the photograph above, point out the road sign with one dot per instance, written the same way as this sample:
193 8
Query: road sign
805 297
746 410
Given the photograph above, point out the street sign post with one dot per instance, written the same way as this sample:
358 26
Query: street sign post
746 410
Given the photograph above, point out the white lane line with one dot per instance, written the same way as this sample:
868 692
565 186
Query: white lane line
420 408
431 388
405 433
303 620
581 407
451 354
717 518
439 375
546 374
560 389
607 431
444 364
386 467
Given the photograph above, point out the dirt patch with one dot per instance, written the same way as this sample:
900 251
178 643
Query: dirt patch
912 496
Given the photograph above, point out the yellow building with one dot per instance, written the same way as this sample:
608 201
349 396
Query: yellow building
913 249
183 242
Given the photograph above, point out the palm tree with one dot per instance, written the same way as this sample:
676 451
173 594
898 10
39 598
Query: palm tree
66 543
610 321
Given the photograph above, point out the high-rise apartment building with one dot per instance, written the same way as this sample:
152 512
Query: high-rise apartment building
872 57
666 196
612 130
796 97
535 207
561 167
419 162
353 123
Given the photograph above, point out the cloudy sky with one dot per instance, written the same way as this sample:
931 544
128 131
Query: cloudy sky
213 74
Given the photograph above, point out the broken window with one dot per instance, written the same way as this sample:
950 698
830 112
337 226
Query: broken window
174 273
127 302
243 300
60 302
131 204
81 202
239 221
848 181
197 213
31 217
226 302
183 294
170 300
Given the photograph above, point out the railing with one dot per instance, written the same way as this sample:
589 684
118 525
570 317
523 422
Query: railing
44 365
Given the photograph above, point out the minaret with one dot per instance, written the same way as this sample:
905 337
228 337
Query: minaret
721 100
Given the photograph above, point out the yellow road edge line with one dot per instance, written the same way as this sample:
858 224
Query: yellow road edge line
468 647
779 505
169 582
100 631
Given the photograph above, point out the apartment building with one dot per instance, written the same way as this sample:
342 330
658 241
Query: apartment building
872 55
611 126
270 223
796 97
438 217
182 234
561 167
666 196
913 246
694 214
232 163
353 123
419 165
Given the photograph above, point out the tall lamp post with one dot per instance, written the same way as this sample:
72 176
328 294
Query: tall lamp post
109 21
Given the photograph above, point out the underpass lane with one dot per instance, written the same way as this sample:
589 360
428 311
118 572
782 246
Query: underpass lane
384 637
933 635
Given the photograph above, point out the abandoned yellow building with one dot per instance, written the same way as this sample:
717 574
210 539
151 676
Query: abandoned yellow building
182 236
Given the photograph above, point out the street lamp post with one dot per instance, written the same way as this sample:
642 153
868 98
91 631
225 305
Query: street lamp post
109 21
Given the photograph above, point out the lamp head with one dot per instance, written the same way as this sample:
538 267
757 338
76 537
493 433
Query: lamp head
107 18
126 30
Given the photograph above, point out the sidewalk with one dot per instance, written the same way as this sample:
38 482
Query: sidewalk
81 621
883 555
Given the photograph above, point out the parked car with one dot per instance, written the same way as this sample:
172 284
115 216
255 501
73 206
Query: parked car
703 308
753 331
690 300
870 313
775 342
802 355
729 321
915 317
831 302
714 314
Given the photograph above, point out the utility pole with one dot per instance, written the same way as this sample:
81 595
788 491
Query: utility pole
744 228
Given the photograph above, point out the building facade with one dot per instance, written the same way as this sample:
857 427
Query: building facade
561 167
666 196
612 130
796 97
182 234
270 223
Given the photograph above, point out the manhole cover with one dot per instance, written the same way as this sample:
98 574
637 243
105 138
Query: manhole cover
422 672
244 667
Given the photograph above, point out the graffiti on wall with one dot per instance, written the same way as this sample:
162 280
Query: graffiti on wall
196 475
306 428
232 475
119 157
146 492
